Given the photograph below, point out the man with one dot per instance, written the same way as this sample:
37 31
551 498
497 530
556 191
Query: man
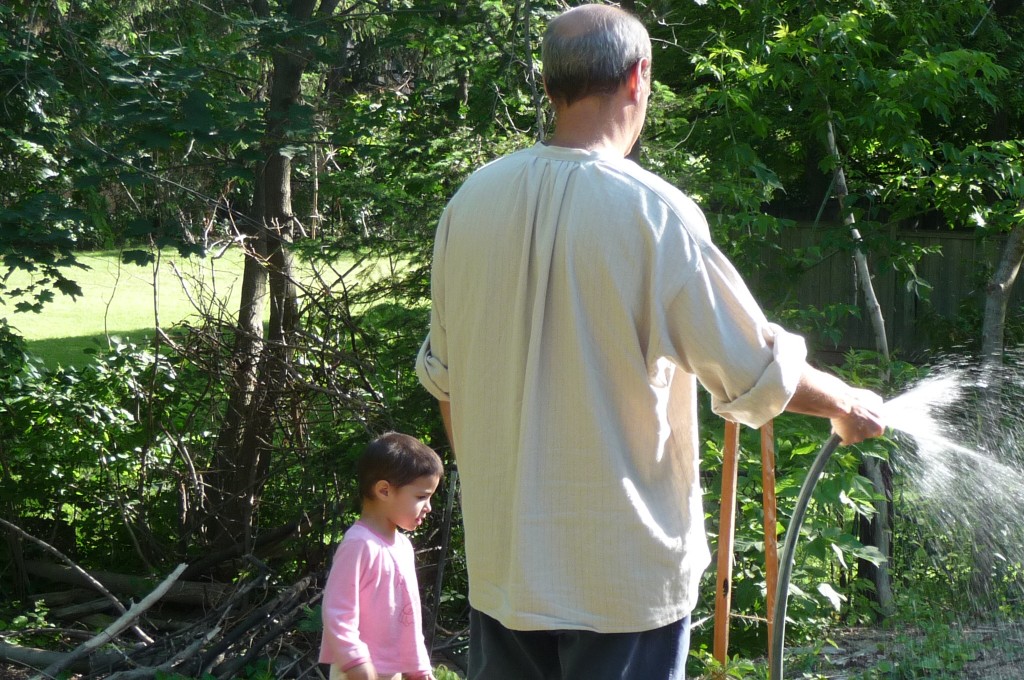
577 300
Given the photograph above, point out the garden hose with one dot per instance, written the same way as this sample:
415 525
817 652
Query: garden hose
788 551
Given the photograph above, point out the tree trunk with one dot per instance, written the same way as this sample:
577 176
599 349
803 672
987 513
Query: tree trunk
228 498
537 92
191 593
997 295
261 357
877 529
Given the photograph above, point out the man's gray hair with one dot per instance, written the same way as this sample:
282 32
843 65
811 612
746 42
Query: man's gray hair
589 50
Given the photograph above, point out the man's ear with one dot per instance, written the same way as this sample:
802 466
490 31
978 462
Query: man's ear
554 104
639 78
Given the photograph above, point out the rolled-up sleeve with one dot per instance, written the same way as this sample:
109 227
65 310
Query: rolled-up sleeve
776 385
432 360
432 370
715 329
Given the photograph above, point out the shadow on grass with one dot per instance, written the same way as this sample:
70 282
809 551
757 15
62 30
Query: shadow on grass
80 351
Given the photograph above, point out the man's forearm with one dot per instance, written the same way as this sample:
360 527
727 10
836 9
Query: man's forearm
856 414
821 394
446 418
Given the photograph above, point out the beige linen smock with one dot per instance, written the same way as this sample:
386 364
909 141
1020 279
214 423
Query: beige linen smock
577 299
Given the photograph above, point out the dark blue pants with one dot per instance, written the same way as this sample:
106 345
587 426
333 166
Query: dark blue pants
497 653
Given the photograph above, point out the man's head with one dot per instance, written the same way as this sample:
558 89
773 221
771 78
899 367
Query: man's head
591 50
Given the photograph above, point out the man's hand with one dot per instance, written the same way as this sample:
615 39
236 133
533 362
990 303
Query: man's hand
856 414
864 420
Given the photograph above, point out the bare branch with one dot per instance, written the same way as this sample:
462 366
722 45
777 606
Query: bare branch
96 585
114 629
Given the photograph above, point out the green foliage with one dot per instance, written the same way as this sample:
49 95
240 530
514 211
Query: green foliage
825 323
95 457
910 89
30 626
827 555
444 673
12 353
39 226
936 650
960 333
736 667
870 370
824 591
146 124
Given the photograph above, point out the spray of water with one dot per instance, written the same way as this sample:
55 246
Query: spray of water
966 434
960 479
964 429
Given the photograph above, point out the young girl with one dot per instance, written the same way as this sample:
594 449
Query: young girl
371 606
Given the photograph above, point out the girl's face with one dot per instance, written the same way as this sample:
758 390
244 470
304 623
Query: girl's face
408 505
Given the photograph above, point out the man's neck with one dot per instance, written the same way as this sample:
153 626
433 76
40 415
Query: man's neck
585 142
595 124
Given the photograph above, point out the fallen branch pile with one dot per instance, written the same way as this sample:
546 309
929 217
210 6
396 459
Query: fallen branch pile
252 620
190 628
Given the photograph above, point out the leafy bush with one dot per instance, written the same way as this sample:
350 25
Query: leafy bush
96 464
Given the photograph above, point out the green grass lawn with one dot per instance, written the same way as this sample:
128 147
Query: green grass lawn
124 301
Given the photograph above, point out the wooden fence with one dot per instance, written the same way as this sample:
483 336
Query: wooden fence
956 273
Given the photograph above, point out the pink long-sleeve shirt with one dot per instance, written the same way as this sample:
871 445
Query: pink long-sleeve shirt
371 606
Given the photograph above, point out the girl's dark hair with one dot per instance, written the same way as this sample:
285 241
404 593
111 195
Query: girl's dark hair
397 458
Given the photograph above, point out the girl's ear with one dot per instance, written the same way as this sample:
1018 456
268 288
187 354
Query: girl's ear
382 489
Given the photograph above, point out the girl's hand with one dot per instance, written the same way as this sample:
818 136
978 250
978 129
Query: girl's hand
364 671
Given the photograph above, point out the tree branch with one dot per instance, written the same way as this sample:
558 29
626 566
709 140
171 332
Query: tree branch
114 629
96 585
